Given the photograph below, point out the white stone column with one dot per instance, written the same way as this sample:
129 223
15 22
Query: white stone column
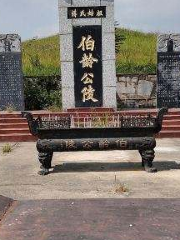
108 50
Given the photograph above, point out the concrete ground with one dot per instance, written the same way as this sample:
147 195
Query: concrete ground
112 174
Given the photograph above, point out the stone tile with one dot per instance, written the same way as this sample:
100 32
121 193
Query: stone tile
144 88
109 97
66 47
86 21
65 24
64 3
108 46
108 22
67 73
68 98
86 3
109 73
107 2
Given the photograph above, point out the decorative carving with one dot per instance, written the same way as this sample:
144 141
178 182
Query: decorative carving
169 43
10 43
147 160
45 159
54 122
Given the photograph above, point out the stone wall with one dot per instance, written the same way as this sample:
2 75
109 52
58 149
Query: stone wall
136 91
133 91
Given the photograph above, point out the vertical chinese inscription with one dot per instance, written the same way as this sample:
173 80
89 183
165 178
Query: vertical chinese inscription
11 82
88 66
168 72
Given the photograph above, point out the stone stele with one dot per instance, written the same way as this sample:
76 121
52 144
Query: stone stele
106 60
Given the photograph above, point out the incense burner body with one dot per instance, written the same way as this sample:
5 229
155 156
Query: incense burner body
120 133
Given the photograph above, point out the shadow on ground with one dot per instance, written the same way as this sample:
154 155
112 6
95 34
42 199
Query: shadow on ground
107 167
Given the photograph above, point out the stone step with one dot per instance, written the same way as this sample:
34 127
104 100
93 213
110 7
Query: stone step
98 109
15 137
13 125
169 134
171 128
171 122
172 117
11 115
12 130
13 120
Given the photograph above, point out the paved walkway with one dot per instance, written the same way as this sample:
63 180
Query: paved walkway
100 219
112 174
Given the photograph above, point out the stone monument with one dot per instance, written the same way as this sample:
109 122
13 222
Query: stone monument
87 40
11 80
168 72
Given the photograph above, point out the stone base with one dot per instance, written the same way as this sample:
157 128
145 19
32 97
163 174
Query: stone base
90 110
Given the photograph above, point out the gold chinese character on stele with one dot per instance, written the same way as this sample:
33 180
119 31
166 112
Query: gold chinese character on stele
87 43
88 60
90 13
87 78
88 94
82 13
99 13
74 13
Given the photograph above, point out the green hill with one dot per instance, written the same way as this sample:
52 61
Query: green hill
136 53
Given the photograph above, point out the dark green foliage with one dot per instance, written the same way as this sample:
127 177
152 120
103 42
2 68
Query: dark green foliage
42 92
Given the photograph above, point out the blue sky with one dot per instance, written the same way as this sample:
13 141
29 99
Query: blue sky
31 18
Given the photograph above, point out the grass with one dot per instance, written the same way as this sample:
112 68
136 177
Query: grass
41 57
137 54
119 188
7 148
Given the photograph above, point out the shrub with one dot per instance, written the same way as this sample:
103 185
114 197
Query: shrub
42 92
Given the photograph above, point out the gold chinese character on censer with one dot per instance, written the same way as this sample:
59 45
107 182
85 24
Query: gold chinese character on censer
70 145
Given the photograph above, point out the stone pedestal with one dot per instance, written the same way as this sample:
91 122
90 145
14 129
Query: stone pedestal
87 40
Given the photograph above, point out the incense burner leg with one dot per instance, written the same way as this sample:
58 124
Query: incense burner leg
147 160
45 159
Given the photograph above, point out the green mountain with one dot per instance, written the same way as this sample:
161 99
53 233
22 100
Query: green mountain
135 53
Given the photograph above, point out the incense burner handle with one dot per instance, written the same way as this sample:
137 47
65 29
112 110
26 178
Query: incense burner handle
159 119
32 123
